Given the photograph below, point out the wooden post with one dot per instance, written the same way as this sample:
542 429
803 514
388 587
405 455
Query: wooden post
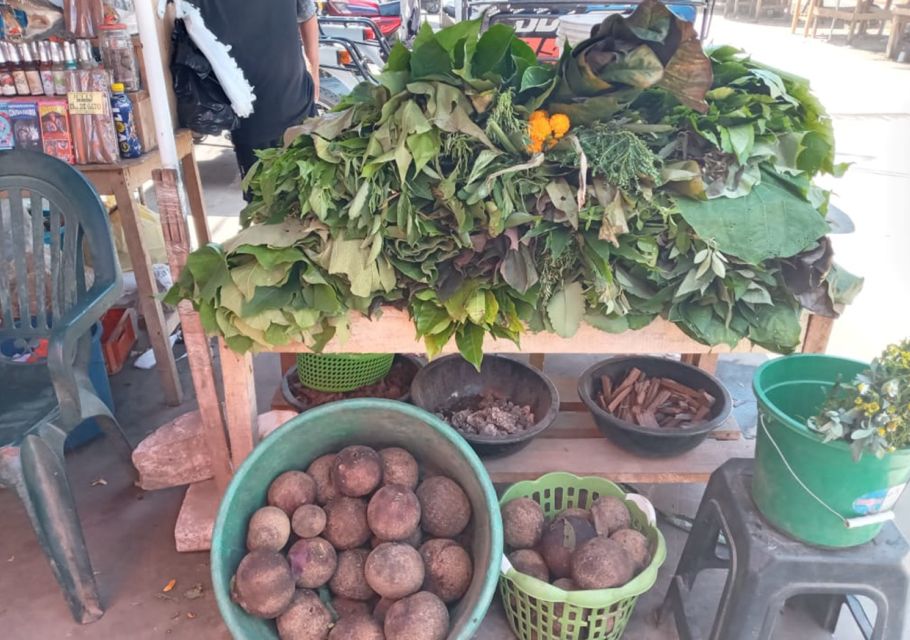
704 361
536 360
239 402
199 354
818 332
148 292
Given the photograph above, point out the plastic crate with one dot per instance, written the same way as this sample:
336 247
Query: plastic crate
118 336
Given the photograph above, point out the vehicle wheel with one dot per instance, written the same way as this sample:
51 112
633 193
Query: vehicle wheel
430 6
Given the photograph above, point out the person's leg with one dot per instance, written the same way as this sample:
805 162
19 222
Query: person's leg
246 158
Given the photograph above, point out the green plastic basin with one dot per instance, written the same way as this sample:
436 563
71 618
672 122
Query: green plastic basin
326 429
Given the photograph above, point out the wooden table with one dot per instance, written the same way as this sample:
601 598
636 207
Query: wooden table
122 180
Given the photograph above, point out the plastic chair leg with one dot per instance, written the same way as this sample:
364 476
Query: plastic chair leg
45 491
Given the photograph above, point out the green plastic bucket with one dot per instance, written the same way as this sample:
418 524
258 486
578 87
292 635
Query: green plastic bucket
812 490
377 423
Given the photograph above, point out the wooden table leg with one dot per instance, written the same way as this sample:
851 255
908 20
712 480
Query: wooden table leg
239 402
704 361
193 185
818 332
149 303
288 361
536 360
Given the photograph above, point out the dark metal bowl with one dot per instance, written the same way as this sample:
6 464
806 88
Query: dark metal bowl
650 441
447 380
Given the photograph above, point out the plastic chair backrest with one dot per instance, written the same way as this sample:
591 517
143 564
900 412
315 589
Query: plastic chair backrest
51 221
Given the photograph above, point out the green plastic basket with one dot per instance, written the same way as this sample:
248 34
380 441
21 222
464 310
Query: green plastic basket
541 611
340 372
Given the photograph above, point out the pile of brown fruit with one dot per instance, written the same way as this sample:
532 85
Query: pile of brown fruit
389 548
578 549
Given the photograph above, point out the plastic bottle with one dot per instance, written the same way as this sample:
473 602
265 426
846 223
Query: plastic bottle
19 77
57 69
124 123
44 68
7 84
33 77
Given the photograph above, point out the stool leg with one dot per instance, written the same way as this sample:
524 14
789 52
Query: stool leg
890 618
824 608
745 609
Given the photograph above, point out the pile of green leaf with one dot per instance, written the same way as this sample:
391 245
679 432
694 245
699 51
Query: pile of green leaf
673 194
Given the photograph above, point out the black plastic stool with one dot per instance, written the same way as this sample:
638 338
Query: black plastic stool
766 568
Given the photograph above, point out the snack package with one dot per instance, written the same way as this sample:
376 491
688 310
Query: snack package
55 128
91 120
6 128
26 130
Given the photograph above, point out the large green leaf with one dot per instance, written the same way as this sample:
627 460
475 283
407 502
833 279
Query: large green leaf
469 339
566 310
770 222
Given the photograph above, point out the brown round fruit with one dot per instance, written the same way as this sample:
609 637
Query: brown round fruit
576 512
313 562
347 607
346 523
361 627
263 585
349 581
444 508
269 529
290 490
382 608
560 540
449 569
308 520
394 570
357 471
522 523
636 545
421 616
530 563
601 563
610 514
399 467
566 584
321 472
306 619
393 513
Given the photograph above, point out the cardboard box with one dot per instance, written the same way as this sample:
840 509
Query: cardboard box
144 119
55 128
23 115
6 128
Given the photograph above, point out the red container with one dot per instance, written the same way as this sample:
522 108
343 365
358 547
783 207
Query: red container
118 337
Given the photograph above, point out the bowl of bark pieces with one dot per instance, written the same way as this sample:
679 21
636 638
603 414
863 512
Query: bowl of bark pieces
396 385
498 409
654 407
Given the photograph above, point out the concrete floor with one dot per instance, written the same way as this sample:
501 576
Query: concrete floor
129 532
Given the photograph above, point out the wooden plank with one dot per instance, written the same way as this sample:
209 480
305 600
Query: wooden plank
705 361
147 288
198 349
393 332
239 402
818 332
570 424
600 457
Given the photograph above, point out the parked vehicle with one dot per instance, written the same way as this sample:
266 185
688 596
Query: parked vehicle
396 19
352 50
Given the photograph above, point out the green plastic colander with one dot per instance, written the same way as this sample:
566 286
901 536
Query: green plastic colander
539 610
340 372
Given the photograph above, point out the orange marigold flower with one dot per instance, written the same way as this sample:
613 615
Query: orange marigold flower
559 124
539 114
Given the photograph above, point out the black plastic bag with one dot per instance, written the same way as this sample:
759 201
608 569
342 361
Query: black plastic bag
202 105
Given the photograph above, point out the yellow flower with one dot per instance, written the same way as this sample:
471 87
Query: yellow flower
881 432
858 402
872 408
560 124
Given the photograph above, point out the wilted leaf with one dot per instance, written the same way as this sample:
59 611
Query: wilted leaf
566 310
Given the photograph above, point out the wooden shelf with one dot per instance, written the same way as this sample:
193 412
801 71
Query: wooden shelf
393 332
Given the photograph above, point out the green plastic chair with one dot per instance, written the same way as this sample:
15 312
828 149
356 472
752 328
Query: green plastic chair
51 221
